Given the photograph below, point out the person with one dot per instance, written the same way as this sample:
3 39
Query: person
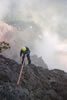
25 51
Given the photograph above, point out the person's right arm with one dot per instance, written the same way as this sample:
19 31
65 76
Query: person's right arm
21 53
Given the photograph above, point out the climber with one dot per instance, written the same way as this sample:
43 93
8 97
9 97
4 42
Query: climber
25 52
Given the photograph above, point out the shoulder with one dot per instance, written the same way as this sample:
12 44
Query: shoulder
27 48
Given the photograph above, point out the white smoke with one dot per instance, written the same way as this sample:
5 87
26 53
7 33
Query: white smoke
4 8
45 27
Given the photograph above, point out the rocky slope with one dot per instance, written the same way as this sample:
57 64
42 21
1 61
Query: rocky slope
36 83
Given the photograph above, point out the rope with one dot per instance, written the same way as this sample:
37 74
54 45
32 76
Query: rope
18 82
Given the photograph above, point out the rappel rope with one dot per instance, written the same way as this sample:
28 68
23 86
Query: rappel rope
18 82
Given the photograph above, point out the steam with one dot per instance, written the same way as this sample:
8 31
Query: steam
4 8
39 24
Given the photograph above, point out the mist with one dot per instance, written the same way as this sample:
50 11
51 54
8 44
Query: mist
40 24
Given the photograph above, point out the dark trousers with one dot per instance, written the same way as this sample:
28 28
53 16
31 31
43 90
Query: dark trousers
28 58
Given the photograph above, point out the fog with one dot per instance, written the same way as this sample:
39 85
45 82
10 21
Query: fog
39 24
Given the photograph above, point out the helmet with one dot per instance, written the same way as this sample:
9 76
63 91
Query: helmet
23 49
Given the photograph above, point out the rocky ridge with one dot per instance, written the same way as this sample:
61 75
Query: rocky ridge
37 83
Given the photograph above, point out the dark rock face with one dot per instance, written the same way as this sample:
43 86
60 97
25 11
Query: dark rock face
36 83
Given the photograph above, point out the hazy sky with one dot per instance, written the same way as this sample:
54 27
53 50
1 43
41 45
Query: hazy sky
47 24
